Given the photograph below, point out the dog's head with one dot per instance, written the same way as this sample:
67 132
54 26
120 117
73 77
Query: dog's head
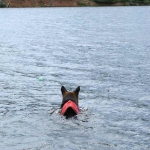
70 97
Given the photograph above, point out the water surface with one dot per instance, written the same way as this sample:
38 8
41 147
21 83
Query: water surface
105 50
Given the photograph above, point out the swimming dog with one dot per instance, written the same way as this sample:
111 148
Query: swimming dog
69 106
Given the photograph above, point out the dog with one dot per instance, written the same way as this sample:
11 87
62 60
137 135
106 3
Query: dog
69 106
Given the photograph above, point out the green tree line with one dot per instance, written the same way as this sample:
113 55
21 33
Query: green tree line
2 4
144 2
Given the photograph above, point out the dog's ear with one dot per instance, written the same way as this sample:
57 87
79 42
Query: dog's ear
76 91
63 90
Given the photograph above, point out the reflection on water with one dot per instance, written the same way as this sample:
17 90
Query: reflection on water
104 50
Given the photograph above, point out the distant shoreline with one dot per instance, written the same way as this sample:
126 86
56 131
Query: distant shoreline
65 3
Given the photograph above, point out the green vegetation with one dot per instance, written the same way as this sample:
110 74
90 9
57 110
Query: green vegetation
105 1
2 4
131 2
81 4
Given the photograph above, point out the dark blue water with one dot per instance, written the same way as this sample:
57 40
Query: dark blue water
105 50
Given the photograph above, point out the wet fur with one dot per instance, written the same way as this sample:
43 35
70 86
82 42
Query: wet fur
66 96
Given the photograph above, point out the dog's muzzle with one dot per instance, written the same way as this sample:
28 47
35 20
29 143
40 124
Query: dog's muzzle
70 104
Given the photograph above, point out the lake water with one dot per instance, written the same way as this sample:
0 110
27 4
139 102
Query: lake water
105 50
